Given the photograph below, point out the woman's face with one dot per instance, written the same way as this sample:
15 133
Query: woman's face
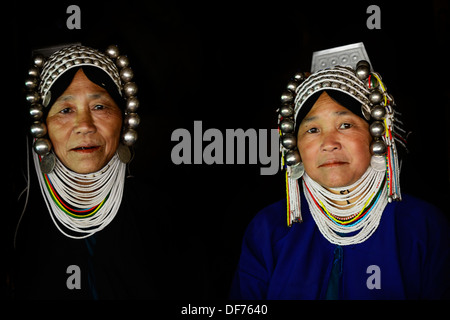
334 144
84 125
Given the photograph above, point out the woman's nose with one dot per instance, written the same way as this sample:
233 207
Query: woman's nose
84 123
330 142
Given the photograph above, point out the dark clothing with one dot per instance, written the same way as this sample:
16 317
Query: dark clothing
407 257
119 262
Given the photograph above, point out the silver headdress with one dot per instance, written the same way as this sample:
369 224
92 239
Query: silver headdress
44 73
345 69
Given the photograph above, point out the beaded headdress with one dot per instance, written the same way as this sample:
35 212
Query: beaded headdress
347 70
80 204
45 71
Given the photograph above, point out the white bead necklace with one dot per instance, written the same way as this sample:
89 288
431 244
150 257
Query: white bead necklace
96 196
330 216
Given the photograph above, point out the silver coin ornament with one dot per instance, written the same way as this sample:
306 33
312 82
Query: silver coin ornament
378 163
48 162
297 171
124 153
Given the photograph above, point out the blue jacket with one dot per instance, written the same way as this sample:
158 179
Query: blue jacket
407 257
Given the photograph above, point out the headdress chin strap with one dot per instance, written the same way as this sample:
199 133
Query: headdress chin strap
377 107
45 71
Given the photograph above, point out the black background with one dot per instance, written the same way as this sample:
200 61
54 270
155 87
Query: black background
226 64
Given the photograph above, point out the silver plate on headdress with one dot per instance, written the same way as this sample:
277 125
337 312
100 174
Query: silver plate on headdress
348 55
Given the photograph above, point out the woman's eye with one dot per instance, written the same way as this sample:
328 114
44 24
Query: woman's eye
99 107
65 111
345 126
313 130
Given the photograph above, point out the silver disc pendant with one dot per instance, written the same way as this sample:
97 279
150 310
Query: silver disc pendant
124 153
378 163
48 163
297 171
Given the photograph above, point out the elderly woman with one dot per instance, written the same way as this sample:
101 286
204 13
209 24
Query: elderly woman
346 236
79 237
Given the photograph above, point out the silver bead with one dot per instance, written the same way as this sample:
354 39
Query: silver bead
287 96
42 146
299 76
289 141
126 74
112 51
286 111
130 89
287 125
129 137
292 85
362 72
132 104
292 157
38 129
36 111
376 96
363 63
377 129
38 61
132 120
378 148
32 97
31 83
33 71
378 112
122 61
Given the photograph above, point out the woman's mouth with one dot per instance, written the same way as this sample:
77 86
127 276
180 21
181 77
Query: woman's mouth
86 149
332 163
